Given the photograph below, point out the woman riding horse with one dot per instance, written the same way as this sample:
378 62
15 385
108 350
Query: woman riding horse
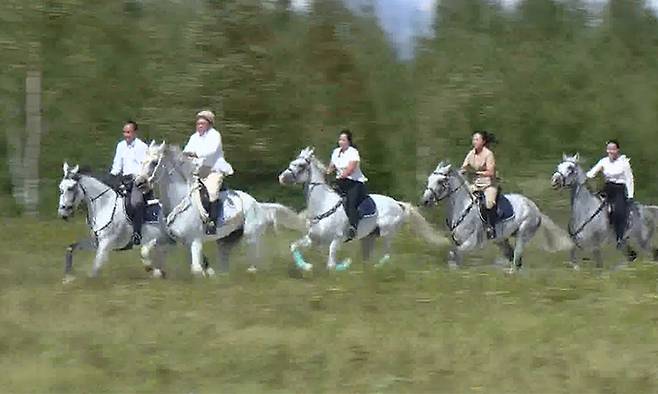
481 160
345 160
619 186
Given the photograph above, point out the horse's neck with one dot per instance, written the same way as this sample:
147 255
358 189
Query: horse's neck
459 199
174 187
580 195
97 195
318 192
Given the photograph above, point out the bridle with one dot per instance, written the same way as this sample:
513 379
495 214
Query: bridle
294 175
436 196
92 200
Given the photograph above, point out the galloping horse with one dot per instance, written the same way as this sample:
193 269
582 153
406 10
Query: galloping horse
108 221
589 226
464 219
328 224
243 216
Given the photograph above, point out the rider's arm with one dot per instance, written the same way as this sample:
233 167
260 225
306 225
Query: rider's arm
351 166
116 163
490 167
465 165
595 170
628 179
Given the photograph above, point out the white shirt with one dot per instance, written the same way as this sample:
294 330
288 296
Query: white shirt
208 147
341 161
618 171
128 157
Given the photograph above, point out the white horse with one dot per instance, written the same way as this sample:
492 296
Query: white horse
467 228
329 223
243 216
590 226
108 221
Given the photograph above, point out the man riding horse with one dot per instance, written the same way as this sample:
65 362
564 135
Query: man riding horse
128 157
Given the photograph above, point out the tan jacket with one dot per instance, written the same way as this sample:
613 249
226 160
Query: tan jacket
481 162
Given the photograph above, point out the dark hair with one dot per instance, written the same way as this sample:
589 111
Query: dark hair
133 124
348 134
488 137
613 141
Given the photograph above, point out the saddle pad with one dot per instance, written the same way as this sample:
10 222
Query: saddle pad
153 210
505 209
367 208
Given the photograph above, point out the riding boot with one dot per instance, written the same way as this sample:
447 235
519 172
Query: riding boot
351 233
492 215
211 226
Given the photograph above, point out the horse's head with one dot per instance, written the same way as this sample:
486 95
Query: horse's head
70 193
438 184
566 173
150 165
299 170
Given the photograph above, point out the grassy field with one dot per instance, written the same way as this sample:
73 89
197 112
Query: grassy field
411 327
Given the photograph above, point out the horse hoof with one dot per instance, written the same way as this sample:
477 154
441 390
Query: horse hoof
198 273
252 269
383 261
210 272
158 274
344 266
68 279
453 266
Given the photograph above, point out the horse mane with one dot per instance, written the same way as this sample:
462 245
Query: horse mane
319 164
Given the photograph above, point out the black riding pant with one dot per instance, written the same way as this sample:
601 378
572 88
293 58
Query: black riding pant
354 192
137 205
616 196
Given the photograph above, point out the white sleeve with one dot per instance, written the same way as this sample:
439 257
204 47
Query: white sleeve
189 147
333 158
628 179
118 159
595 170
354 155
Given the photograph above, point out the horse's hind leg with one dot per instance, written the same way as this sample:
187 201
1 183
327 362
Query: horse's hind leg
332 262
224 248
196 250
506 249
367 246
150 252
388 240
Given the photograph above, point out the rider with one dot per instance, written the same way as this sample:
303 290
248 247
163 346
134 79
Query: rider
619 186
127 162
481 160
345 160
206 144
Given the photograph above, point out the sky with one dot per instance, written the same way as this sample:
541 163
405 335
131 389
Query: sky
403 20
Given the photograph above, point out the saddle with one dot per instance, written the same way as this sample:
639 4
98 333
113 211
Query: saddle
504 209
152 207
205 201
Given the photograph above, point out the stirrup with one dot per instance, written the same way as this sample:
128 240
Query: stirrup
211 228
136 239
351 234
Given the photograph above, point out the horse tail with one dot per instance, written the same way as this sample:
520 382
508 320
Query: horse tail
653 211
555 239
421 227
277 214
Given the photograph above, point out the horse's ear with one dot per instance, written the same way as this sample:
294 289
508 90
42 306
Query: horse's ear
75 169
576 157
152 144
448 167
564 156
65 168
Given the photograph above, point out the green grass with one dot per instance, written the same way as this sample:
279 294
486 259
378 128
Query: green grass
411 327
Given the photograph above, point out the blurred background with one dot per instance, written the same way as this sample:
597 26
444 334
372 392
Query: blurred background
411 78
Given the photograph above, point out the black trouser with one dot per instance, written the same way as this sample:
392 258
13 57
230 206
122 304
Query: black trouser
137 205
616 196
354 192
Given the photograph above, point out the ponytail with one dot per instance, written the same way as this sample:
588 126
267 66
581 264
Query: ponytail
348 134
488 137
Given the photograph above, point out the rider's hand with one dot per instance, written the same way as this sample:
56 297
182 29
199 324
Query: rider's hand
191 154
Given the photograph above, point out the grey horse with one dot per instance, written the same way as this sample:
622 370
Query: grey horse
589 226
467 228
328 221
108 222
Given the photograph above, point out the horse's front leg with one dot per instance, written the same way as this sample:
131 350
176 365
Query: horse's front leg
85 244
332 262
101 256
303 242
456 254
196 250
573 257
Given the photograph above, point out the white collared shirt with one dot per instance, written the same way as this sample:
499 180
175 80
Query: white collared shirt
208 147
618 171
341 161
128 157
